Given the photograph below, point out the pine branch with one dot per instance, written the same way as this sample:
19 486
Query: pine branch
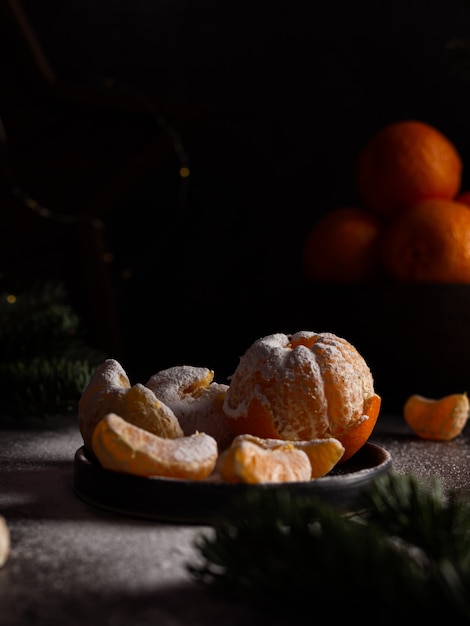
38 322
43 387
281 551
45 359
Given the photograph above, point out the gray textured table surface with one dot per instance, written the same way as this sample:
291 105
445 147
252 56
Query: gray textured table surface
71 563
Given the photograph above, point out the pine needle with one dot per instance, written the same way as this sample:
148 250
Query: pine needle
45 358
407 553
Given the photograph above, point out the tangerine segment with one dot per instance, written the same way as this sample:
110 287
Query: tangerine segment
109 391
258 420
195 399
438 419
245 461
123 447
5 541
323 454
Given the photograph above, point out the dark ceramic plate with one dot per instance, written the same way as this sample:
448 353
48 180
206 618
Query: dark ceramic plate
209 502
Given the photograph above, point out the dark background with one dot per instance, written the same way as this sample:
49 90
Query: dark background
203 266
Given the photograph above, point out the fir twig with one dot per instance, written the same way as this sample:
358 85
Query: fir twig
45 359
43 387
408 554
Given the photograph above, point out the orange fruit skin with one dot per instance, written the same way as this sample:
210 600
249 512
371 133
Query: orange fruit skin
259 420
430 243
404 163
355 438
342 247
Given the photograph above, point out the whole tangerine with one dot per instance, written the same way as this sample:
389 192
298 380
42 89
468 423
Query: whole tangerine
405 163
430 242
342 247
302 387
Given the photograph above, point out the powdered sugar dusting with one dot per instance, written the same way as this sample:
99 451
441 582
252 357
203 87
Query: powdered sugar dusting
313 384
112 373
195 448
180 380
195 399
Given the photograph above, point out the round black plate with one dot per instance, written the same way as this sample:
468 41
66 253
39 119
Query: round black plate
208 502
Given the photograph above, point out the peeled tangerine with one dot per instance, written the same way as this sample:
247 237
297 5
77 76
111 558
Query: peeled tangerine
123 447
251 459
438 419
303 387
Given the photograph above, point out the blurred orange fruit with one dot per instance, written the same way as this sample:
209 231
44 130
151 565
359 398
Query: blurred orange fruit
342 247
440 419
430 242
404 163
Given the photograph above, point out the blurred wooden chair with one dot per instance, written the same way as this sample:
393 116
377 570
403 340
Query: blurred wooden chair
69 155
